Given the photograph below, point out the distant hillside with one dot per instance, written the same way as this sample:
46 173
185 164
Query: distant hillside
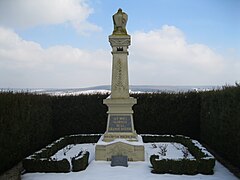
106 89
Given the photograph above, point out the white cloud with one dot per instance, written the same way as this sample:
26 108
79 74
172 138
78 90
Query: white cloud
165 57
159 57
31 13
27 64
84 27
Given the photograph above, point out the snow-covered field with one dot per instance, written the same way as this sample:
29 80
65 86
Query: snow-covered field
106 89
102 170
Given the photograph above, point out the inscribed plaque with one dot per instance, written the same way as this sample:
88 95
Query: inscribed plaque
120 123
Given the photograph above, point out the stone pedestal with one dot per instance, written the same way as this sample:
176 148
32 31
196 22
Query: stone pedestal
120 120
120 147
120 114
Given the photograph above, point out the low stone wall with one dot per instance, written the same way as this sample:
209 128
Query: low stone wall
13 174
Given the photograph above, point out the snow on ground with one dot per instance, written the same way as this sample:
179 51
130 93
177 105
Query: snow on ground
76 93
107 88
173 150
101 170
72 150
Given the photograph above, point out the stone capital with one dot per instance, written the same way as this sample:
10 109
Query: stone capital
120 40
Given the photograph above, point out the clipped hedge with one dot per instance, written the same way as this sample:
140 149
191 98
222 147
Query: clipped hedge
168 113
181 166
80 162
29 122
46 165
51 149
25 126
79 114
155 113
40 161
204 162
82 138
220 122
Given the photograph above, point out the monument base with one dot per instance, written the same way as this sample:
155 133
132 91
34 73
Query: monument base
120 147
108 137
120 120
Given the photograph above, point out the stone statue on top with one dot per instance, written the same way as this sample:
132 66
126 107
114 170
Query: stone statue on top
120 21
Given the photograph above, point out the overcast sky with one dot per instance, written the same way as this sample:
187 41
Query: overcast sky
64 43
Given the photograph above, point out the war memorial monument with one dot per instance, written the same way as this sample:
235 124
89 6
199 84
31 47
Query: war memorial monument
120 138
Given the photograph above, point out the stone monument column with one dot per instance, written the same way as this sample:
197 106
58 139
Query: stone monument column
120 138
120 119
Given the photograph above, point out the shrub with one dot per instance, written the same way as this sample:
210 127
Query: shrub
181 166
220 122
83 138
29 122
79 114
168 113
205 166
80 162
40 161
25 126
204 162
46 165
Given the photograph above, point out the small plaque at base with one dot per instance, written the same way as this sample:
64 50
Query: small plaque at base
119 161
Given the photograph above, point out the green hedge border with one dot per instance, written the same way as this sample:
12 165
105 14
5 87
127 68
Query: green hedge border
80 163
40 161
203 164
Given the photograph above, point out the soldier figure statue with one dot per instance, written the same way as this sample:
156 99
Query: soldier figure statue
120 21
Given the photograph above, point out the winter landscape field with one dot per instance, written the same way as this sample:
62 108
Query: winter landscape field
107 89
